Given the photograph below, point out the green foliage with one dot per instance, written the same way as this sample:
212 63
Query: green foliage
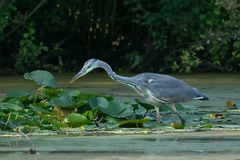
57 109
8 16
134 59
185 36
96 102
117 109
64 101
157 35
29 50
186 63
76 120
223 41
51 108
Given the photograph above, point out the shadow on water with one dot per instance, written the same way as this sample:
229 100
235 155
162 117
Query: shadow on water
208 145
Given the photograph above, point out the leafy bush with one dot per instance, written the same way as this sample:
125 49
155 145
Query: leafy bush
187 62
147 35
176 29
29 51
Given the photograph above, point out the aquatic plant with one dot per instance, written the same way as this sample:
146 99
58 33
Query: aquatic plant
56 109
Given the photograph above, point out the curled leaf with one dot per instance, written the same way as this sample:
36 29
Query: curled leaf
76 120
42 78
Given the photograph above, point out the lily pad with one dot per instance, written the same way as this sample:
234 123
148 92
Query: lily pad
206 126
177 125
117 109
145 105
113 120
42 78
76 120
73 93
39 109
16 94
64 101
231 105
96 102
10 106
133 123
49 93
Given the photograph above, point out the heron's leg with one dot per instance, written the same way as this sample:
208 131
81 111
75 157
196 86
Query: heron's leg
178 114
158 114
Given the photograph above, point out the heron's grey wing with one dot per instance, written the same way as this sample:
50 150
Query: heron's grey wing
169 89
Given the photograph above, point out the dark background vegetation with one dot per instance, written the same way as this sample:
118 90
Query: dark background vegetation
131 35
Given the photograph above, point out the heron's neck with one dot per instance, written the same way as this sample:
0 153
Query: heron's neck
114 76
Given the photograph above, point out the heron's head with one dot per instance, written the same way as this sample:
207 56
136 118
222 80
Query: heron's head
87 67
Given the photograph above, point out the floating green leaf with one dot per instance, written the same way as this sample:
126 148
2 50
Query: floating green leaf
96 102
42 78
48 92
133 123
206 126
177 125
16 94
10 106
37 108
145 105
113 120
64 101
117 109
72 93
76 120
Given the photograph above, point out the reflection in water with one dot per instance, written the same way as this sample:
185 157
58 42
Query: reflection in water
184 145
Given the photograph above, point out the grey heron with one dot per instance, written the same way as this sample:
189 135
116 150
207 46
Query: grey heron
156 88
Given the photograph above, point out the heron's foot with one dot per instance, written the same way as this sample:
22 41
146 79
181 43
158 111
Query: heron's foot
181 118
183 121
161 123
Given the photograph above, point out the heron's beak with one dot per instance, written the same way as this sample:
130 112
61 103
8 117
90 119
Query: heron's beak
81 73
76 77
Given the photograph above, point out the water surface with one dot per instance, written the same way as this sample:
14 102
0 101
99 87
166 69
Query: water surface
222 143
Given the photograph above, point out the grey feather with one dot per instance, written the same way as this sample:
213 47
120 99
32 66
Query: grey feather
165 88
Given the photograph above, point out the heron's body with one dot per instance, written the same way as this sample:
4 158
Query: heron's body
155 88
163 88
